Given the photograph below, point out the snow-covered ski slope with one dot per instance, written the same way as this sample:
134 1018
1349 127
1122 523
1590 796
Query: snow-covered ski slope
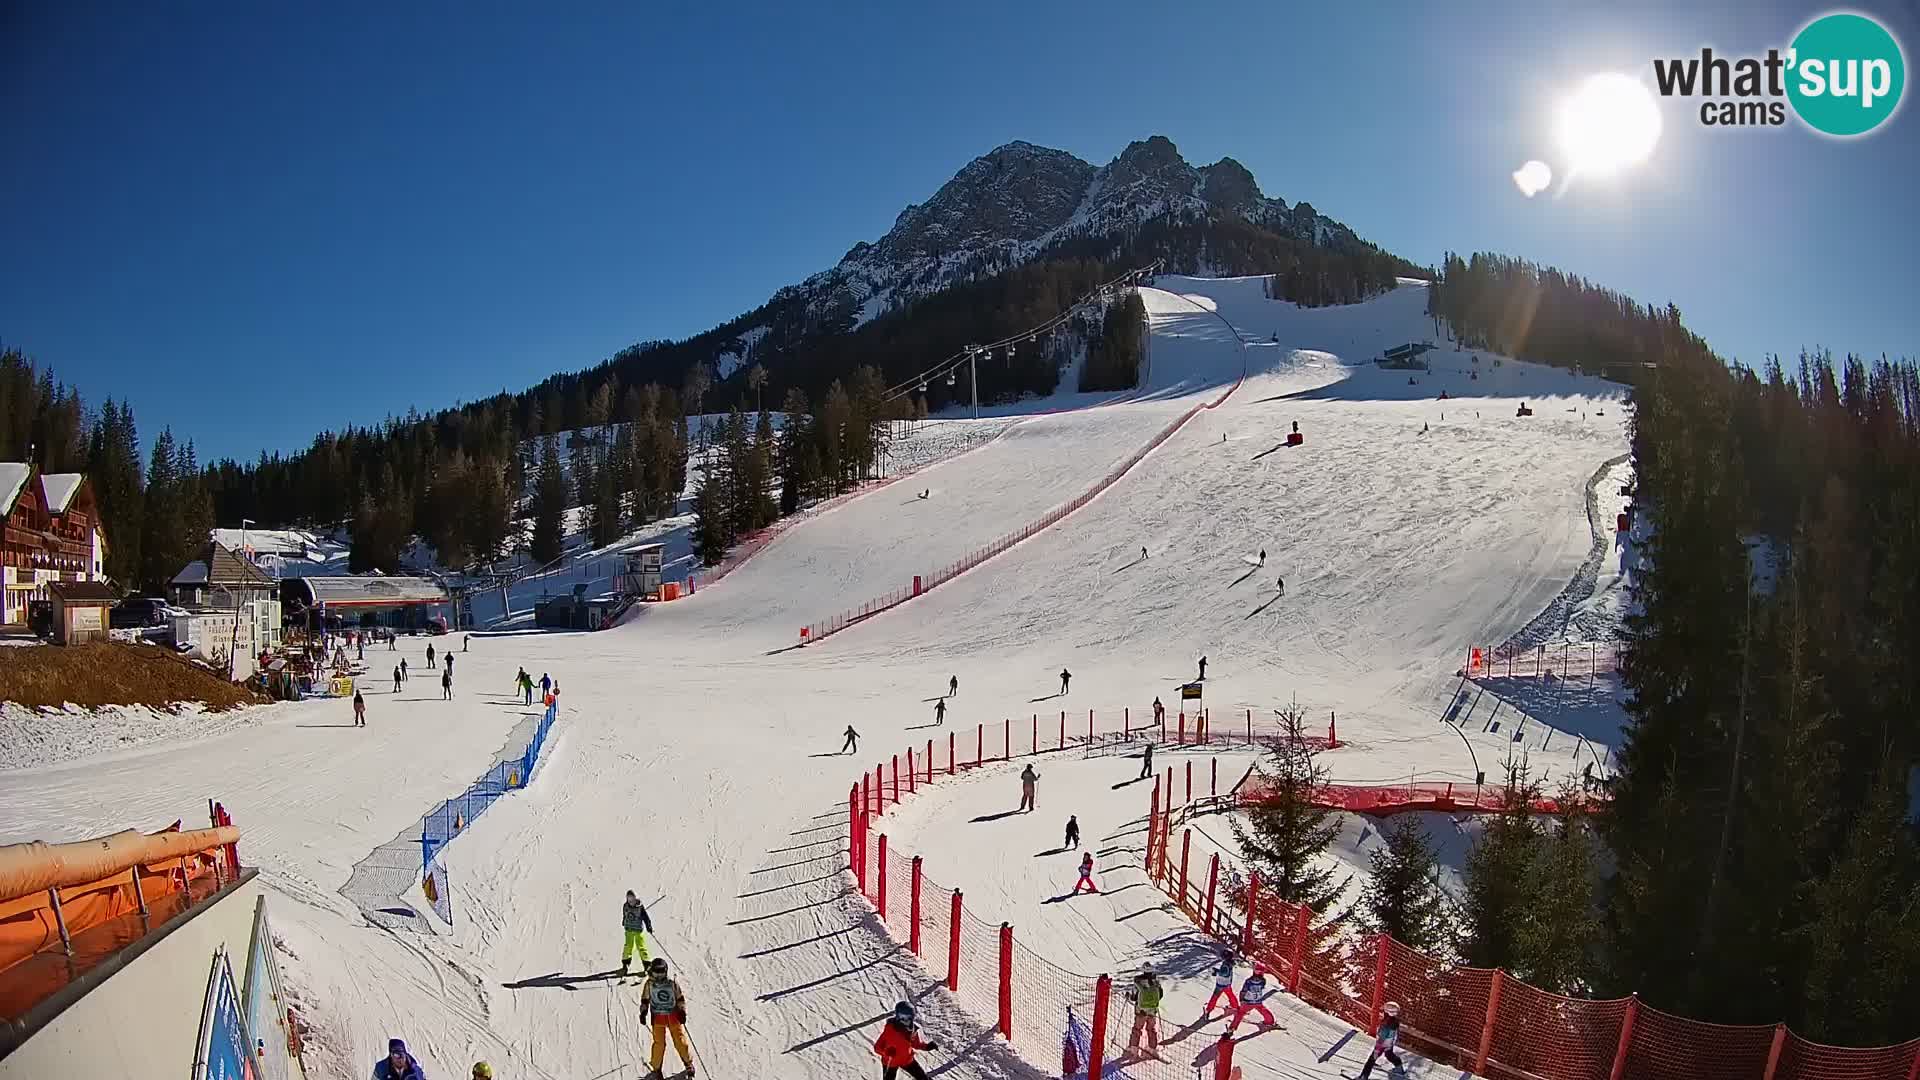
694 757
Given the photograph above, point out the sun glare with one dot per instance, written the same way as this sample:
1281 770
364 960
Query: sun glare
1610 123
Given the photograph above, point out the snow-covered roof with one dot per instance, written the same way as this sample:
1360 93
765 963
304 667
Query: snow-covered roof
372 591
59 489
13 477
219 566
295 543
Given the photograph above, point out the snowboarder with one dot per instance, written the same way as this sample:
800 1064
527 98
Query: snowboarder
633 919
396 680
1028 778
1253 993
1065 678
404 673
1223 986
1086 876
852 745
1073 832
940 712
665 1006
899 1038
1203 669
1145 995
1146 761
398 1064
1281 581
953 686
1384 1042
446 686
359 710
429 654
926 493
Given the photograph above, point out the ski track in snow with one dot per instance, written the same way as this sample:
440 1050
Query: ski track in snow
695 748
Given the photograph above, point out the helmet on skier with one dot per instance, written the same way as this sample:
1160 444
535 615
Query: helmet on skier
657 966
482 1071
630 895
903 1012
1391 1008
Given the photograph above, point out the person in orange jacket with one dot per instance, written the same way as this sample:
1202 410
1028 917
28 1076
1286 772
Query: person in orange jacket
897 1042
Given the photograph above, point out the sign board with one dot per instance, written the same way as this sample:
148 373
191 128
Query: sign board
1190 692
225 1051
85 618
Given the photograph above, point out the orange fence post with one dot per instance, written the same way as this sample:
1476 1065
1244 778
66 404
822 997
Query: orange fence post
1186 845
880 905
953 945
1773 1052
1302 917
1153 823
1626 1038
1486 1027
1006 981
1213 881
1379 982
1253 904
1097 1040
911 779
913 908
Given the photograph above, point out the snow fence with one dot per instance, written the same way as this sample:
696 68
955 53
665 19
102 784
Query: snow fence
444 822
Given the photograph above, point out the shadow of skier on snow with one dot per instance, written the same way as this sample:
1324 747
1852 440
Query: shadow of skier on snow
554 979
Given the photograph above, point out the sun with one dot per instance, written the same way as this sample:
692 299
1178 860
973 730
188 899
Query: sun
1610 123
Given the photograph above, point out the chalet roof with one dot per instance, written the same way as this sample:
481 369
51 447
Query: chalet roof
218 566
60 489
13 477
57 489
373 590
83 591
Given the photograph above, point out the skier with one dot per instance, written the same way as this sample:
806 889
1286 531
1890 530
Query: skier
662 1001
361 644
852 745
633 919
940 712
953 686
446 686
1145 995
1253 993
466 642
546 684
1203 669
1384 1042
448 657
1028 778
1073 832
1159 712
1223 986
393 641
1143 553
396 680
1281 581
359 710
1263 556
404 674
1065 678
1146 761
429 654
1086 875
899 1038
525 684
398 1064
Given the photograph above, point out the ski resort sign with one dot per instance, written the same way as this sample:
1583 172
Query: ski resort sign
1843 75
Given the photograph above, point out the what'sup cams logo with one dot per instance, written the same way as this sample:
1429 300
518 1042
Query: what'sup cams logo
1842 75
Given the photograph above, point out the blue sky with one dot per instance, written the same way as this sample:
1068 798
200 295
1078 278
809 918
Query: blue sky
257 224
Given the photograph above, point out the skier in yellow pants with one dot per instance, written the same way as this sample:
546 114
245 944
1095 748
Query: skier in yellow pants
662 1001
633 916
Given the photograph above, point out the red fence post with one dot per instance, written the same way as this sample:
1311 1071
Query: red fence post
913 908
1249 727
879 791
1063 729
1379 982
1486 1028
1626 1038
881 904
1303 916
853 830
896 778
1223 1057
866 791
929 761
1097 1039
1213 881
1253 905
911 778
866 830
1333 731
1036 733
950 755
1153 823
1181 731
1773 1052
1006 739
1063 717
953 945
1006 981
1186 845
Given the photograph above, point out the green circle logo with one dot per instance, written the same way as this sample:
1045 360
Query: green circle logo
1846 74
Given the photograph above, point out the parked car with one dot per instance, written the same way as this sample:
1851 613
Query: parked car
138 611
40 617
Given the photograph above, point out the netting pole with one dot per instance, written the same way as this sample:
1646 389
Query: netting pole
1213 881
1006 739
913 906
1303 915
881 903
1626 1039
1063 716
866 825
1186 844
1215 790
1153 823
1006 981
879 791
1486 1027
1063 729
1097 1041
1253 902
1379 982
929 761
911 776
853 829
1333 730
1773 1052
1181 731
1036 733
866 791
1249 727
953 945
896 779
1188 801
951 759
1223 1056
979 743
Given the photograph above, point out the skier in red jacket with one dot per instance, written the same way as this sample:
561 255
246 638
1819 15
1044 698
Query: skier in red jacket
897 1042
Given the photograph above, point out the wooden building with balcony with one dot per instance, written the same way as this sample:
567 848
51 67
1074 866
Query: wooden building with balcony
51 533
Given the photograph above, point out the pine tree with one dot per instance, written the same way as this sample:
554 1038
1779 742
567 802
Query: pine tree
1864 936
113 466
759 483
1402 898
796 483
487 518
713 507
1557 940
196 506
1500 878
162 553
1285 833
549 505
